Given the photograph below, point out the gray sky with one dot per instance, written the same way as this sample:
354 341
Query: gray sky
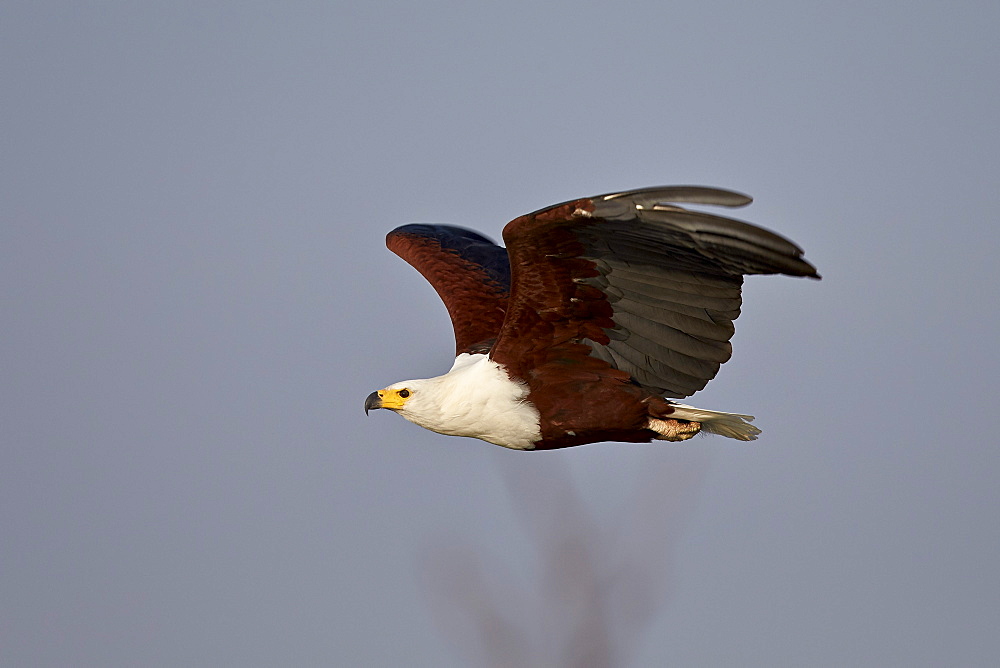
196 300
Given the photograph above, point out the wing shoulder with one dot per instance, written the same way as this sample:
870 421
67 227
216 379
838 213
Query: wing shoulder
469 272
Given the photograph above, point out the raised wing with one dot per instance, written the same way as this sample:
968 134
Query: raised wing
470 273
634 282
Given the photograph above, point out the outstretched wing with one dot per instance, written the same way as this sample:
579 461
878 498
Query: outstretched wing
635 282
470 273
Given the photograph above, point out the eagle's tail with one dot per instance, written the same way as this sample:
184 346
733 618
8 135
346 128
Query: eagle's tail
731 425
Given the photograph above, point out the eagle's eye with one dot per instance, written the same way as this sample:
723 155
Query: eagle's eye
404 393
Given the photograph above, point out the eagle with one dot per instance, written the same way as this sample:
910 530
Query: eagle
597 315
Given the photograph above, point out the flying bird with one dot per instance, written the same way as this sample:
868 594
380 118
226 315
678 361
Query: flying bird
595 317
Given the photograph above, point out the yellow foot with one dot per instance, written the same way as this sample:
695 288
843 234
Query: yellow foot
673 430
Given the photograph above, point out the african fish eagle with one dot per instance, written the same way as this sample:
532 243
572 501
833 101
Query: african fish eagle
597 313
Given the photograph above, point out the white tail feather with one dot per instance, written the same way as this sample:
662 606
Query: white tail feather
730 425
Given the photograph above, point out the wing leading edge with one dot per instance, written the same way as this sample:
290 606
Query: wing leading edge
470 273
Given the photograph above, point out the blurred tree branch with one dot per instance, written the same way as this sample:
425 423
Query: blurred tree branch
598 587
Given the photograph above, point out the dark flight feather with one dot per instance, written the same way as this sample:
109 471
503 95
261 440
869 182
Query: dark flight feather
669 283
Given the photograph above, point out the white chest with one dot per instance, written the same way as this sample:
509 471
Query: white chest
476 399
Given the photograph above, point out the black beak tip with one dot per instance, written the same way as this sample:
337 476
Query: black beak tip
373 401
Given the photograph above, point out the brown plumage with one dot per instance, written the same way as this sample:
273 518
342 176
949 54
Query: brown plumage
476 302
602 307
